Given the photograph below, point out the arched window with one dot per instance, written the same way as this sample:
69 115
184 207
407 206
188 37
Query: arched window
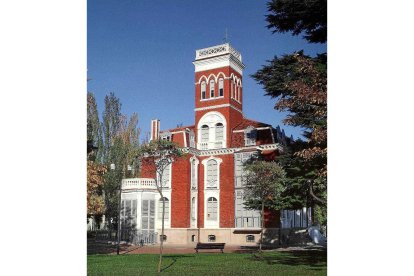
193 208
167 209
232 89
221 88
219 132
212 174
212 89
203 90
204 133
212 208
239 93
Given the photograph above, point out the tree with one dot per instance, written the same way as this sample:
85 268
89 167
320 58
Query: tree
263 182
156 156
308 16
299 83
120 146
95 201
93 128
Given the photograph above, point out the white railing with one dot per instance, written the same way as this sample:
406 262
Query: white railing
211 145
203 145
218 50
138 183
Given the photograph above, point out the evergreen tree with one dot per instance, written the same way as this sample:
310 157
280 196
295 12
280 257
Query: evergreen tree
301 16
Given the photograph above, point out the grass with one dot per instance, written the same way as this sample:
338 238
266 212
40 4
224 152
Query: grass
270 263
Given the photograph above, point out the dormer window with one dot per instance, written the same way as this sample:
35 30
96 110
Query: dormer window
212 89
250 135
166 136
221 88
203 90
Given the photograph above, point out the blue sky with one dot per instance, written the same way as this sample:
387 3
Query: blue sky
143 52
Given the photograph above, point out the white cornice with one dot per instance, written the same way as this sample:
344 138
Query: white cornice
217 106
218 62
225 151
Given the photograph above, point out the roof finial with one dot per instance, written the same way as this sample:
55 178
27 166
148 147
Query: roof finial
226 37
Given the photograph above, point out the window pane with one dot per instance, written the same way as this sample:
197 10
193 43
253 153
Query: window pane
204 133
221 88
219 132
212 89
203 90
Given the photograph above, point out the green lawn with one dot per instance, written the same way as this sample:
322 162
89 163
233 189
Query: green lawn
271 263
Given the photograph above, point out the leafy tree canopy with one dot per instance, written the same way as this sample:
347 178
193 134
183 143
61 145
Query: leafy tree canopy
301 16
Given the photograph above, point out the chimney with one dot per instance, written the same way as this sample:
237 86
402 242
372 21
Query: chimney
155 129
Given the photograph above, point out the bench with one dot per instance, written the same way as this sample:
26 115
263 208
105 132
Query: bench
209 246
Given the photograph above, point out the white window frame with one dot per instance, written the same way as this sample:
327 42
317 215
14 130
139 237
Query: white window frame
212 88
221 88
167 209
203 89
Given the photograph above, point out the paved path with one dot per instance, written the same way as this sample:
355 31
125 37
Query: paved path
108 248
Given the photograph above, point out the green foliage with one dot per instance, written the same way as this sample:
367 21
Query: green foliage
299 84
263 180
301 16
93 128
120 147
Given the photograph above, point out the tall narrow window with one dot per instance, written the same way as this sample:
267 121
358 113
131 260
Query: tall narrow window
219 135
212 208
212 174
166 176
221 88
232 89
193 175
193 208
203 90
204 133
167 209
239 93
212 89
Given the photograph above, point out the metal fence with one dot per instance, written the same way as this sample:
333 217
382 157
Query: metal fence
127 235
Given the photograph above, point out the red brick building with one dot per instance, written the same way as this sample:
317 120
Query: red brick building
203 191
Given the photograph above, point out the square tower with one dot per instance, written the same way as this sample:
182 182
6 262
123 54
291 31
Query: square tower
218 95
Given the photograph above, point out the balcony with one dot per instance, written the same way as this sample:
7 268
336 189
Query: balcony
211 145
138 183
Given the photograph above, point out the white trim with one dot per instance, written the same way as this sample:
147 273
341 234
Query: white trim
219 62
211 99
258 128
211 119
217 106
211 192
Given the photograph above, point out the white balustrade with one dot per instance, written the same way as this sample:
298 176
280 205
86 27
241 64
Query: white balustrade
218 50
138 183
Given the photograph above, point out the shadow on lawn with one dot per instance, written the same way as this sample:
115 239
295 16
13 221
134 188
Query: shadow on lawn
95 247
174 260
316 258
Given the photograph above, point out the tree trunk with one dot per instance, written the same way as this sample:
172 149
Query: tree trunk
119 222
261 231
162 233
